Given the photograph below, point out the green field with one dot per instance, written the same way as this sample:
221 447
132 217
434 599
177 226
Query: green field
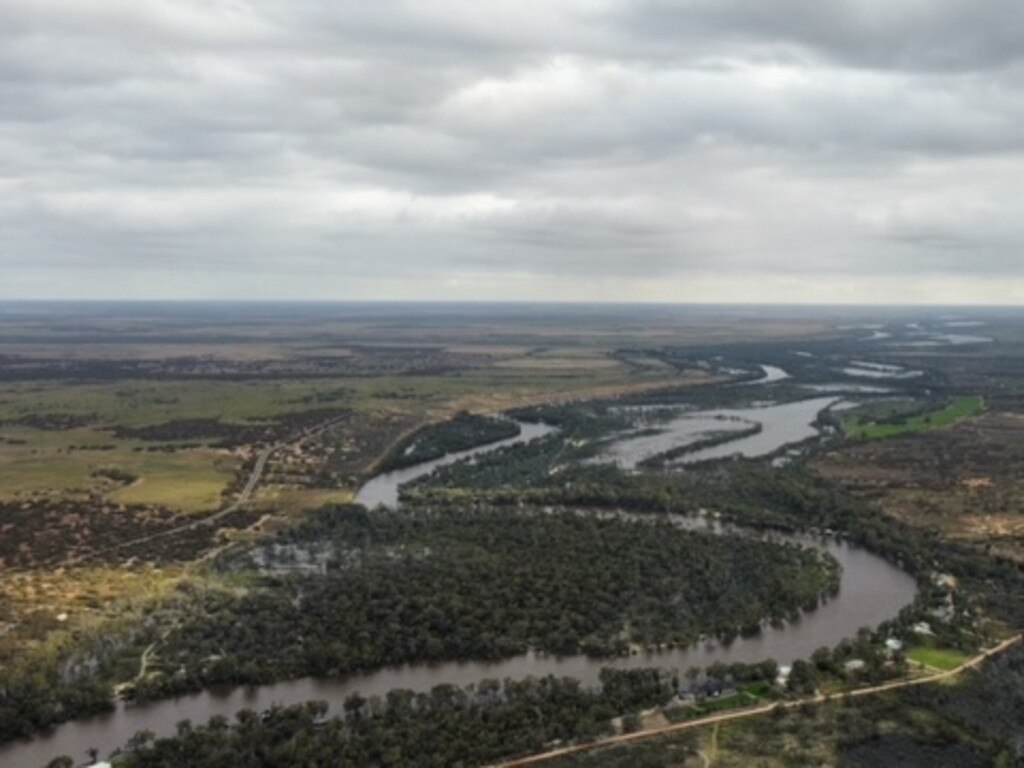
961 408
63 461
938 658
191 481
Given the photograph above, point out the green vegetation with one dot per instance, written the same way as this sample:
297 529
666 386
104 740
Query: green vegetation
938 658
191 482
114 433
749 696
973 722
175 435
482 584
963 407
447 728
964 482
460 433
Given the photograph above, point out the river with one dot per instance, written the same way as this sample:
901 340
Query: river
871 591
383 489
782 424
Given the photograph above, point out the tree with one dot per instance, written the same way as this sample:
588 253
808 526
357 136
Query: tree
802 678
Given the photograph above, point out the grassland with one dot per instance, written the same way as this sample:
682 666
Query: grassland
937 658
192 481
962 408
963 481
191 478
77 464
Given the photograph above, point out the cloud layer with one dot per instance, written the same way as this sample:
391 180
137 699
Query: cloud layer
704 150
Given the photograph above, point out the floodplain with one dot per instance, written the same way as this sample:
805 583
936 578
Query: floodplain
185 504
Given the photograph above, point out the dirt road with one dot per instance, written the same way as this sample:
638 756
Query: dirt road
742 714
253 481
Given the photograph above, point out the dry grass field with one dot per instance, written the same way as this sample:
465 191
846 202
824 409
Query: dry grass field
966 481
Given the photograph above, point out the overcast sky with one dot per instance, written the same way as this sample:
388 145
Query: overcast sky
855 151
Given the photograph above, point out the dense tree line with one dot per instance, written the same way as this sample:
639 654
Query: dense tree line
515 466
751 494
448 727
37 693
795 499
460 433
51 422
990 701
364 361
930 725
483 584
975 721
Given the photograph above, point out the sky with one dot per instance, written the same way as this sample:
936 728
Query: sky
850 151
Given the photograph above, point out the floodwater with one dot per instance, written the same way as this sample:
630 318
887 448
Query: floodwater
782 425
964 338
946 339
866 389
772 373
878 371
383 489
872 590
680 431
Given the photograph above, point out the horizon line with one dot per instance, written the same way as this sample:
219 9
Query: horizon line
500 302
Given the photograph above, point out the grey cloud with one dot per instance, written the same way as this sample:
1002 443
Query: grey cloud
396 141
956 35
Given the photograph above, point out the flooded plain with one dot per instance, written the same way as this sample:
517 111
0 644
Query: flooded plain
781 425
872 590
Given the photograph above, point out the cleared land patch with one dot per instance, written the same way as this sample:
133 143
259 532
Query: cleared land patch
966 481
938 658
961 408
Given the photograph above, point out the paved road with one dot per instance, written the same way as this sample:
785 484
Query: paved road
742 714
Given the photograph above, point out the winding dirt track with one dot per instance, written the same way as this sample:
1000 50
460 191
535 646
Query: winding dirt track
241 500
742 714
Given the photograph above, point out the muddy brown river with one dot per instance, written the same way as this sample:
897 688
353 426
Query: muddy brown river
872 590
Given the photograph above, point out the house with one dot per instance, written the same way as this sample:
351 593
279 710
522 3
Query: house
945 580
783 676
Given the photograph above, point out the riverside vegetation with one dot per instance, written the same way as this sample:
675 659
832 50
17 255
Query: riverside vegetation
425 585
973 723
461 432
149 442
431 585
